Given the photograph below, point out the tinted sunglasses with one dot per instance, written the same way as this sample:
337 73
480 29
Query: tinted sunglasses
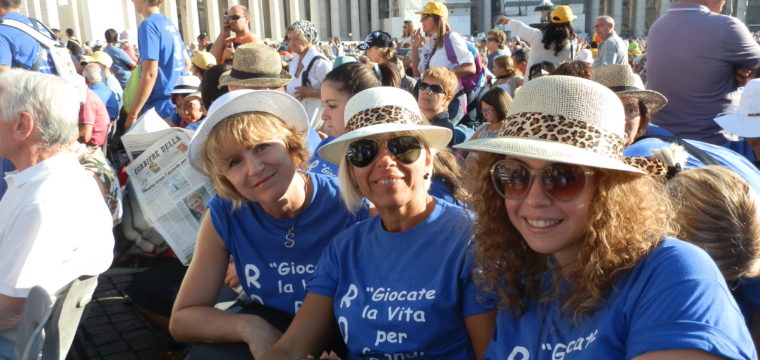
562 182
405 149
235 17
492 39
434 88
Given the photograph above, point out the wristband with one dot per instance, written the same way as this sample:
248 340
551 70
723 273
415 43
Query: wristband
132 117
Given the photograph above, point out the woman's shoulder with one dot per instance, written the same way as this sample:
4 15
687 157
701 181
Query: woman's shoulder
680 260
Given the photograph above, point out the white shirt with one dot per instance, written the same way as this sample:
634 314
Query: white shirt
54 227
316 74
439 57
538 53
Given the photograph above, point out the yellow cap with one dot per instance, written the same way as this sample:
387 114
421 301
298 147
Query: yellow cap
102 58
203 60
435 8
86 59
563 14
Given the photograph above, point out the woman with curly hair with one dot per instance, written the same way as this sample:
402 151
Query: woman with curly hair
577 243
555 44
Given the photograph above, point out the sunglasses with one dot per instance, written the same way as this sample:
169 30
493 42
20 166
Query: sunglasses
562 182
235 17
405 149
434 88
492 39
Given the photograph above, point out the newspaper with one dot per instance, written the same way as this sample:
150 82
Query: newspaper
171 193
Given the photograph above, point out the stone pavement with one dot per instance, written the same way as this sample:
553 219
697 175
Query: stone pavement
115 330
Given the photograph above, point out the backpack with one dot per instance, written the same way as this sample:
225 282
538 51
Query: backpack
471 82
64 65
305 82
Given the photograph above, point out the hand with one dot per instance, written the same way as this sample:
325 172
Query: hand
260 336
228 51
742 76
231 278
225 30
417 39
303 92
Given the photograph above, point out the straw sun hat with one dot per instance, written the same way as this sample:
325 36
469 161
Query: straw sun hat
744 120
256 65
568 120
277 103
621 79
382 110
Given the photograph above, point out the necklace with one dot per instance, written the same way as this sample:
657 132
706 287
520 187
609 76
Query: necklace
290 236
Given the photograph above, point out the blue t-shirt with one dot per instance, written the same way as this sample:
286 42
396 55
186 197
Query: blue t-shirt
747 295
109 99
406 293
321 166
312 139
120 66
675 298
17 49
742 148
5 166
194 126
721 155
158 39
270 273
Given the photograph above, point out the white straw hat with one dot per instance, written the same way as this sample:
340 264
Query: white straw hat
621 79
382 110
568 120
745 119
186 84
277 103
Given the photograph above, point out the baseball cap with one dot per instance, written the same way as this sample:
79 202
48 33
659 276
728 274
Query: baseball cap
378 38
434 8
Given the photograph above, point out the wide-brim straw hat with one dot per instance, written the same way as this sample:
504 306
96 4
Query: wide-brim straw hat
744 120
277 103
256 65
569 120
621 79
382 110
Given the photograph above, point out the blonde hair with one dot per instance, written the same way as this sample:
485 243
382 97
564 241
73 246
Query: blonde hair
247 130
716 210
443 30
349 190
507 63
446 77
627 216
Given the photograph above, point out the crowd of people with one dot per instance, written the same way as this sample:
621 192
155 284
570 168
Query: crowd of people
541 196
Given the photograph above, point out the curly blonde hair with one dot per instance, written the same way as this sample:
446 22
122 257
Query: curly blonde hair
716 210
247 129
628 215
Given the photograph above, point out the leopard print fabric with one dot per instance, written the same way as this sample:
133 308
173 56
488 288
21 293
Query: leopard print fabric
651 166
382 115
536 125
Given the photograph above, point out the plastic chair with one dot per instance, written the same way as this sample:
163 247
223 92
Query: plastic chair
50 333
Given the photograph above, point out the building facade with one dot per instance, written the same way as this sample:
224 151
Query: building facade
347 19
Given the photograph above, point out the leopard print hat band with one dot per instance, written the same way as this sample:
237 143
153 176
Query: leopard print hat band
382 115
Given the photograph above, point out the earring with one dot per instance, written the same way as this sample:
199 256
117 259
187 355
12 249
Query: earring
427 176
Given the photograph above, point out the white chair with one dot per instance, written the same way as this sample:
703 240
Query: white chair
47 331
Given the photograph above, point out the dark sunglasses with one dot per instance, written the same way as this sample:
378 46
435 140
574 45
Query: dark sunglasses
235 17
562 182
405 149
492 39
434 88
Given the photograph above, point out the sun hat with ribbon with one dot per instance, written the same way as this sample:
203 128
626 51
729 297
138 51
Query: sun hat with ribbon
186 84
744 120
382 110
238 102
434 8
563 14
256 65
621 79
569 120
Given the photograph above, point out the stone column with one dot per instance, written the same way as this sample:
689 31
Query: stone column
33 9
190 21
231 3
355 19
72 19
50 14
257 22
640 18
741 10
131 21
592 12
617 14
374 13
323 15
85 22
295 11
213 21
486 23
275 17
169 9
334 19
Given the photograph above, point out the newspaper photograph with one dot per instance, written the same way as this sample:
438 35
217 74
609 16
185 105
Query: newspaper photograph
172 194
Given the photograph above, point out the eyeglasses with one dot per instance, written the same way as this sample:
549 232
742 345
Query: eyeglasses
492 39
562 182
487 111
234 17
405 149
632 110
434 88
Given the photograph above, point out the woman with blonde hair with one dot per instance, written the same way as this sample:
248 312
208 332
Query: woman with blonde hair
577 242
380 50
269 214
508 77
371 284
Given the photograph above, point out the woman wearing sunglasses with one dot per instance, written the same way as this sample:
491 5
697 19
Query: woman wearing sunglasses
381 282
575 241
269 214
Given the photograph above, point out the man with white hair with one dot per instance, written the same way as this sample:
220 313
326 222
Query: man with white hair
55 225
612 50
93 75
698 58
